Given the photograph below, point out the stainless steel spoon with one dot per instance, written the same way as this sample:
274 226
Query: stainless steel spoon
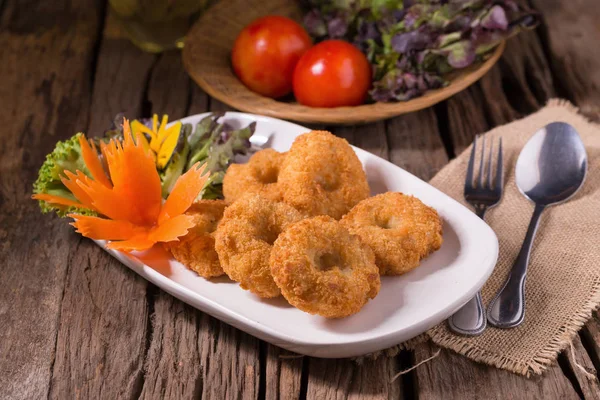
551 168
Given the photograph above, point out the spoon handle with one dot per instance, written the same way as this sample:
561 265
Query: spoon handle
470 319
507 309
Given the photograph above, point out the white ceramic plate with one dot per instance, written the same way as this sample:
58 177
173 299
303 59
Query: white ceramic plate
406 305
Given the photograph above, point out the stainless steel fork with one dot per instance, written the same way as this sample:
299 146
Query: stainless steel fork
482 193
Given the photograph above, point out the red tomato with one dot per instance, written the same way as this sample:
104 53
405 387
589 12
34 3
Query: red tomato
265 54
332 73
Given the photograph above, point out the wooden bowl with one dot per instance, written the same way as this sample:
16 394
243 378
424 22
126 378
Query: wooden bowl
206 57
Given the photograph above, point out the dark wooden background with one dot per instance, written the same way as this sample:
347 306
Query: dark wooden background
74 323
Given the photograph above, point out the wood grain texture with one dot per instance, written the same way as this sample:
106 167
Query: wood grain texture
206 57
283 373
103 326
230 361
169 88
570 29
77 324
582 367
332 379
591 338
44 97
466 118
471 112
415 144
104 319
498 109
173 367
231 358
526 72
122 72
451 376
344 379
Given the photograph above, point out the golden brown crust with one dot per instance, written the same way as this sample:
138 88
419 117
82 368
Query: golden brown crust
258 176
323 269
196 250
245 237
400 229
321 175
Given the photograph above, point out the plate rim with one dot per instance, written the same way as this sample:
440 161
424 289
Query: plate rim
275 336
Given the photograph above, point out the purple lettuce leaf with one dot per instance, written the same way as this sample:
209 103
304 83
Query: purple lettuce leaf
413 44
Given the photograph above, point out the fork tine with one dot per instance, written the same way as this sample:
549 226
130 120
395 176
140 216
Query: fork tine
480 179
469 178
499 171
488 181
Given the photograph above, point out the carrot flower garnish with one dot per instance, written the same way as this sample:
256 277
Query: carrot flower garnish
129 196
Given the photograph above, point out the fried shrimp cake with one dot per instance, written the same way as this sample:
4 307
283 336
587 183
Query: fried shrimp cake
258 176
196 250
245 237
323 269
321 175
400 229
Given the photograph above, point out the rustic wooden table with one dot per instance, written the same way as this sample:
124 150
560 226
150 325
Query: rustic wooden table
74 323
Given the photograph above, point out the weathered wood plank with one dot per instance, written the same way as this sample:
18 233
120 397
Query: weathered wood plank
498 108
475 111
571 29
169 90
526 73
230 358
523 82
230 361
103 326
330 379
122 72
283 374
452 376
345 379
412 142
46 51
104 320
369 137
583 369
172 367
591 336
466 117
415 144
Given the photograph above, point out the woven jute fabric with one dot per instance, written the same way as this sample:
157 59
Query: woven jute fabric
563 281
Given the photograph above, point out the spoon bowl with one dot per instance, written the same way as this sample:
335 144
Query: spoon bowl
552 166
550 170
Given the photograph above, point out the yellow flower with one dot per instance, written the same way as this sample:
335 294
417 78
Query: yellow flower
163 140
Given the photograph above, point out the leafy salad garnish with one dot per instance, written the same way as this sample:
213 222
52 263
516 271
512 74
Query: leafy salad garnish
175 149
414 44
123 189
66 156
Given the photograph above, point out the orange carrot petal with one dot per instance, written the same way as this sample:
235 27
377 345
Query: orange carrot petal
92 162
185 191
136 181
70 181
127 131
105 229
50 198
172 229
138 243
111 203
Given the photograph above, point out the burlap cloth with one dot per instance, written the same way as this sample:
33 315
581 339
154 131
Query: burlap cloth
563 282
